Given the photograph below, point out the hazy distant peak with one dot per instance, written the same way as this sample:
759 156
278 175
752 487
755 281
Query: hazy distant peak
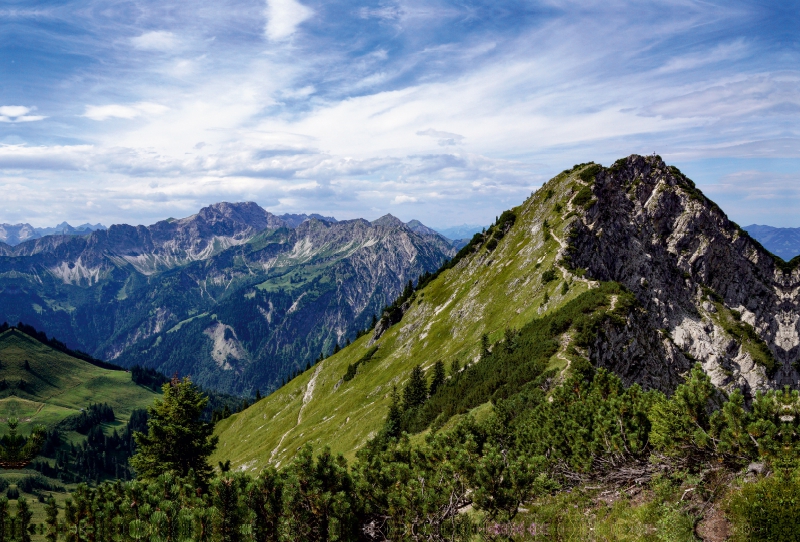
419 228
14 234
388 220
783 242
464 231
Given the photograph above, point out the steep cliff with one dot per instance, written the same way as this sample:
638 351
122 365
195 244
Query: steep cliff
715 294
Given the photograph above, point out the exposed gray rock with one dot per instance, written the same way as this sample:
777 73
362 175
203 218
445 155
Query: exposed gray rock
653 231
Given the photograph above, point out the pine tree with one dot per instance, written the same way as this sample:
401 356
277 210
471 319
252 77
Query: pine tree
4 519
438 377
484 346
416 390
51 513
681 423
24 515
177 441
264 497
510 340
225 492
395 416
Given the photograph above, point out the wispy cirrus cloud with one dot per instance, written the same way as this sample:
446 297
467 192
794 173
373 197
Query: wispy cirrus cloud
118 111
438 110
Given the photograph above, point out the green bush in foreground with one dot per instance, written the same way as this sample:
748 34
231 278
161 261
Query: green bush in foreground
767 510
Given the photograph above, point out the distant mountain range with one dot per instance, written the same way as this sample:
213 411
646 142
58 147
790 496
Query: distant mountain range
783 242
14 234
235 296
464 231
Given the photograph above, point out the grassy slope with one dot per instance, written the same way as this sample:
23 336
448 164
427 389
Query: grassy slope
485 293
58 385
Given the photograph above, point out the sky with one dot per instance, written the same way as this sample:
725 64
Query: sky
132 111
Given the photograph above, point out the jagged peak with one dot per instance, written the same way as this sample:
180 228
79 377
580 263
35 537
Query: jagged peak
388 220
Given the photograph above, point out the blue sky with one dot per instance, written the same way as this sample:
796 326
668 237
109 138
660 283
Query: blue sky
447 111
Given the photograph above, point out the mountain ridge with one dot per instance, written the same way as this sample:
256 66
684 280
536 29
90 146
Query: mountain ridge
220 280
702 291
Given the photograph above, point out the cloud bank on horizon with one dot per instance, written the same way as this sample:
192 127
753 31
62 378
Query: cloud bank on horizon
442 110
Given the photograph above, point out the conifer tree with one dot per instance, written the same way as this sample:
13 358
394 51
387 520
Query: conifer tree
51 511
4 517
264 497
484 346
394 417
681 423
416 390
177 441
24 515
225 492
438 377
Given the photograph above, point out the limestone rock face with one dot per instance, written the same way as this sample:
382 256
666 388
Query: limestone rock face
697 276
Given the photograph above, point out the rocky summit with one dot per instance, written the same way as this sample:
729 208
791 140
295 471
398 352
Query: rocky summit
235 296
711 292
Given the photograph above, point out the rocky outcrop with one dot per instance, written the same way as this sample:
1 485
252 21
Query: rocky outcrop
713 293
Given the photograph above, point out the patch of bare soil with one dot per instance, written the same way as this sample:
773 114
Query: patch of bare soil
714 527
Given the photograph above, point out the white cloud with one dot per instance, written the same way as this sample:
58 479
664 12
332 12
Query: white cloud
18 113
444 138
117 111
404 198
283 18
768 94
14 110
723 52
745 194
159 40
